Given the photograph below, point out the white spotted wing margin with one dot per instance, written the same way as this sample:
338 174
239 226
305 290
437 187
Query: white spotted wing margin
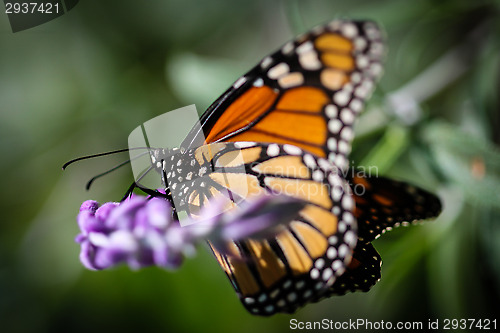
313 59
304 260
362 274
342 58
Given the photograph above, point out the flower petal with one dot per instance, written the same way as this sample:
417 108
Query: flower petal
89 205
159 212
102 213
88 223
122 217
87 256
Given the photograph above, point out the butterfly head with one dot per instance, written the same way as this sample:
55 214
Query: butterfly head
161 156
179 171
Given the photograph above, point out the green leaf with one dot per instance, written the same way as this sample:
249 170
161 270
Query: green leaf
388 149
470 162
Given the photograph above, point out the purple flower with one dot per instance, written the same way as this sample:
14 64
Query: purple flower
141 232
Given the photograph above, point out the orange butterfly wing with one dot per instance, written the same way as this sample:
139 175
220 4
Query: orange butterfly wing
307 255
307 94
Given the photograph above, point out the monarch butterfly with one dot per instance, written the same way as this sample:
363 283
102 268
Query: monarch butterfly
311 258
290 120
296 108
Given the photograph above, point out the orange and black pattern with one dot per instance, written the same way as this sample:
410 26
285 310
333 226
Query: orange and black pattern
307 94
362 272
383 204
297 108
304 259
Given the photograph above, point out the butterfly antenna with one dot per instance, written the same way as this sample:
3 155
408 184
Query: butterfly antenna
101 154
134 184
89 183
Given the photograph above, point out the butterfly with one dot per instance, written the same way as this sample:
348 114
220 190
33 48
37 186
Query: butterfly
324 251
286 126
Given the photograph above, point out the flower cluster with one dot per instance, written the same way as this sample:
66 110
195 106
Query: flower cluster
141 232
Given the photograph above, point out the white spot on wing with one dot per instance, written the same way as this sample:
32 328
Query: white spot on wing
360 43
376 50
266 62
336 265
249 300
347 134
244 144
341 161
372 31
324 164
239 82
292 297
309 161
334 126
350 238
278 70
347 203
291 80
331 252
346 116
314 273
337 193
376 69
344 147
332 157
335 25
305 47
292 150
273 150
258 82
318 29
319 263
362 61
335 180
327 273
331 111
347 217
356 77
341 97
343 250
309 60
356 105
318 176
349 30
287 48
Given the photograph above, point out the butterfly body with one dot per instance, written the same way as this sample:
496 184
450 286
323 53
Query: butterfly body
180 171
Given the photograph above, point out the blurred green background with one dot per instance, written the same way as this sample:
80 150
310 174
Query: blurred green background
80 84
